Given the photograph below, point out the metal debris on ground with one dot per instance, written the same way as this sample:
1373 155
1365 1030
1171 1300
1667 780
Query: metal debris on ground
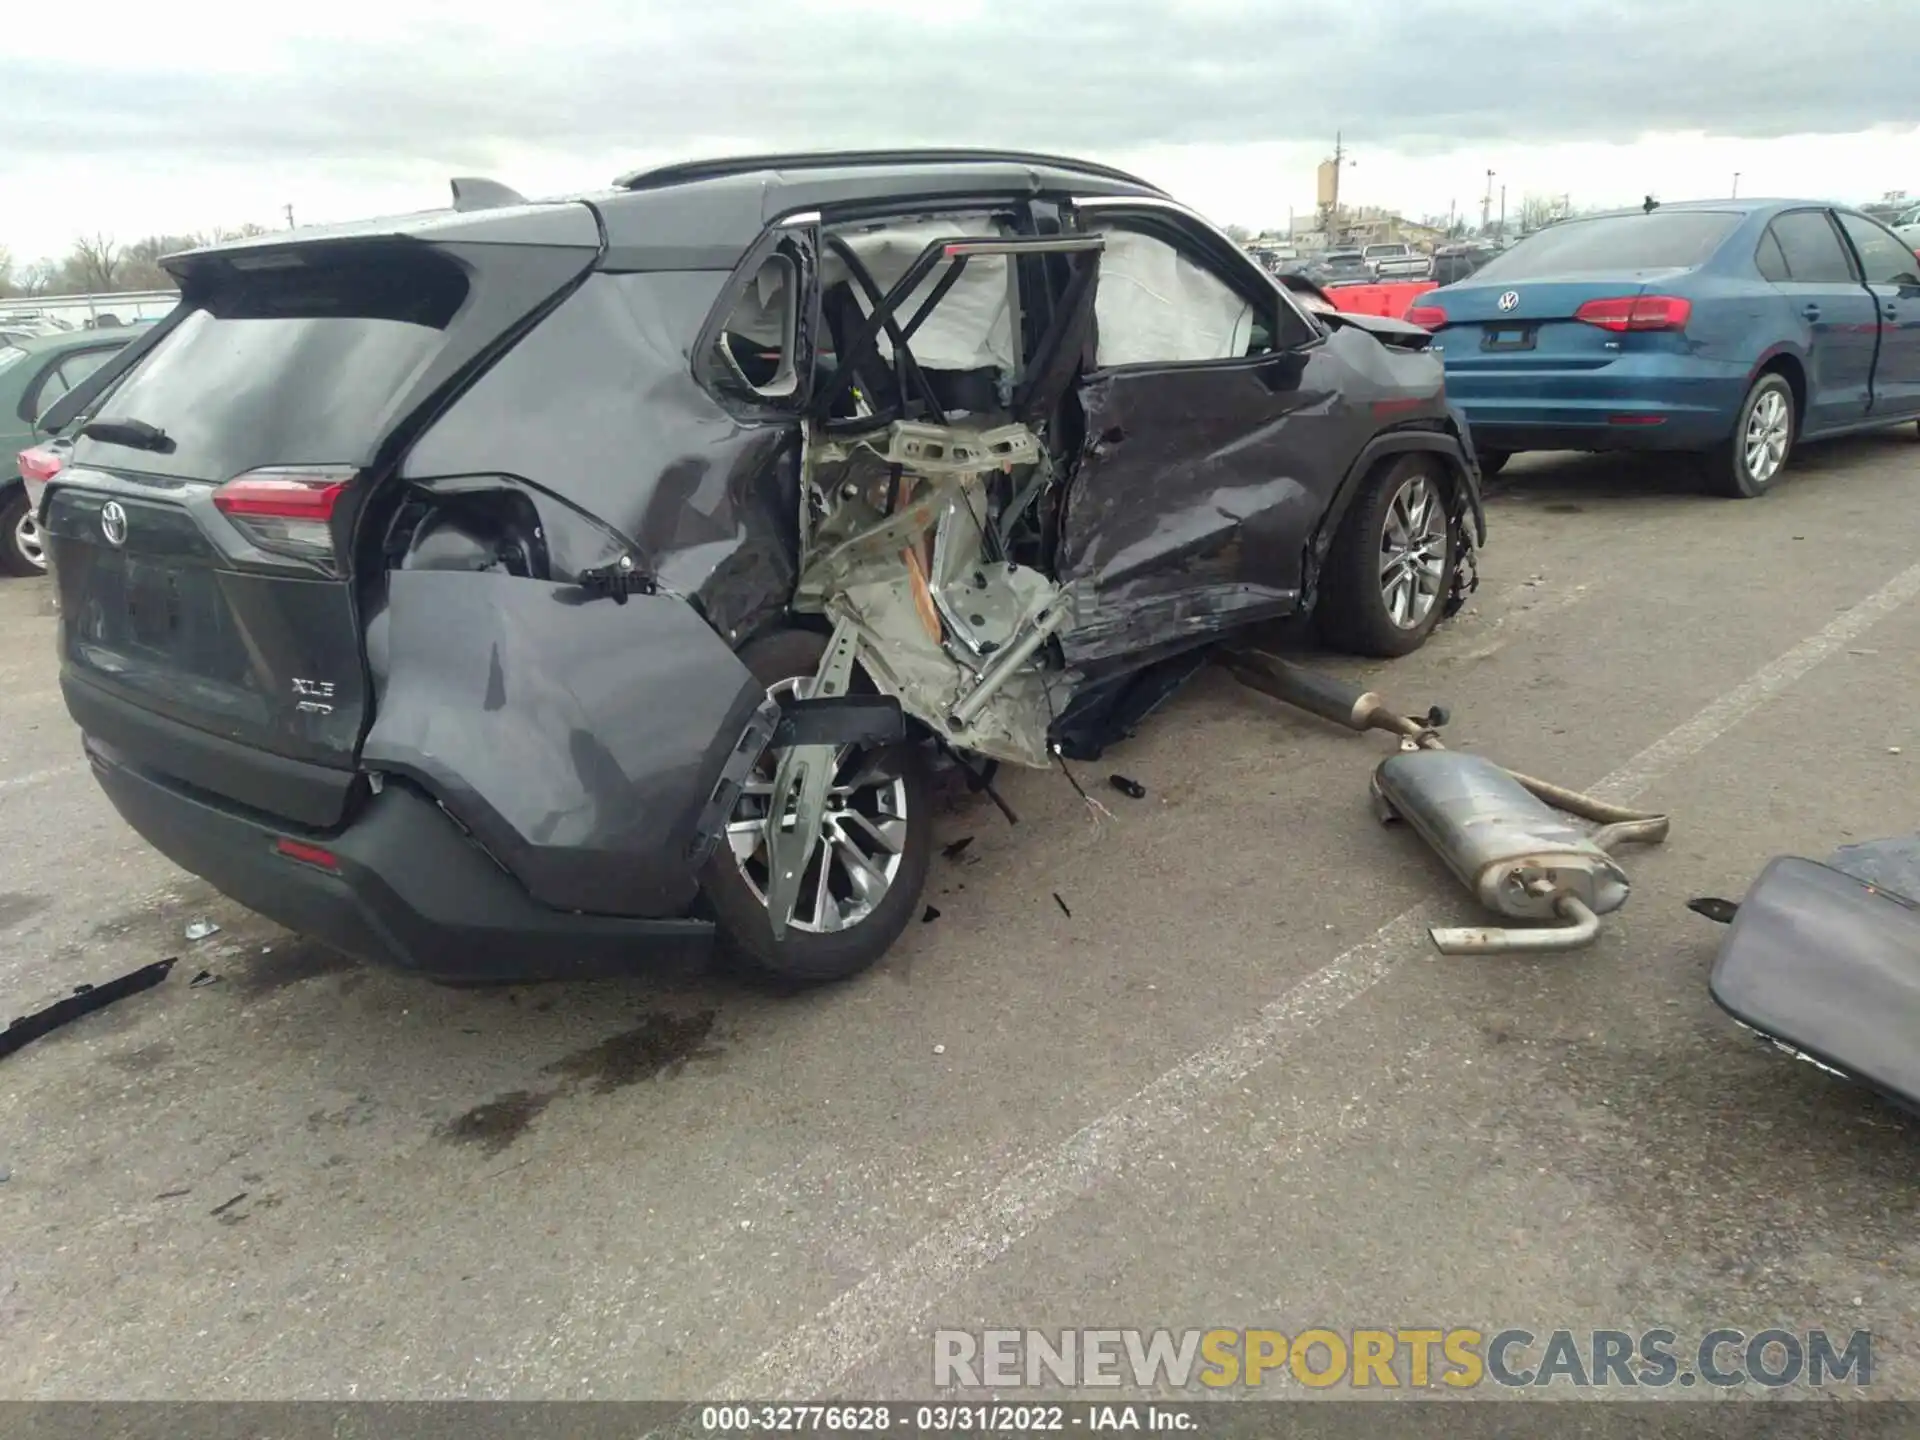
929 915
939 1049
957 848
84 1000
1062 904
1505 836
203 979
201 929
224 1206
1132 789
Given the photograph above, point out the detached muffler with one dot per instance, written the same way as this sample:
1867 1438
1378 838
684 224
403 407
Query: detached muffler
1499 832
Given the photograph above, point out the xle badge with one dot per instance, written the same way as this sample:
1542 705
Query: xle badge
313 696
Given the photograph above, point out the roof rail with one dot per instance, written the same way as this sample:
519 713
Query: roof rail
472 192
688 171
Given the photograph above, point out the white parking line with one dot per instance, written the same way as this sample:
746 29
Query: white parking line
816 1358
38 777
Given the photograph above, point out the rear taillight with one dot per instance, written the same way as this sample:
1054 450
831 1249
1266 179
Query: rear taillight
306 854
39 464
1427 317
1637 312
287 509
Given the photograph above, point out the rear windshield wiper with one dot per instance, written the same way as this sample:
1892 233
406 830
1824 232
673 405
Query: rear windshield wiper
135 434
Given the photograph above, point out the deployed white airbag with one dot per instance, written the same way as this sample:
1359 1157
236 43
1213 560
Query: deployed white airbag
972 326
1154 305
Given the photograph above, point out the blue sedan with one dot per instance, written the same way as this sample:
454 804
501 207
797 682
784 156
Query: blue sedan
1731 328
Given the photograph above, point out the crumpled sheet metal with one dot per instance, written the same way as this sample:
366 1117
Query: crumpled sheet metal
855 570
904 663
707 500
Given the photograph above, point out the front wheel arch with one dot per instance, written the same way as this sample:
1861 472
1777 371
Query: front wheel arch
1381 451
1353 615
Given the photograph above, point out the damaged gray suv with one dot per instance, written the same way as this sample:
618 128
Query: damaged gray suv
524 590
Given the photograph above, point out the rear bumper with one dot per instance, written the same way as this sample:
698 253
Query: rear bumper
409 890
1635 403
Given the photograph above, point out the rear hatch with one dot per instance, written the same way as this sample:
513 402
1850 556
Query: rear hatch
201 534
1574 297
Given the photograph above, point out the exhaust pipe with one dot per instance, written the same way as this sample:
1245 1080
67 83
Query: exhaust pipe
1496 830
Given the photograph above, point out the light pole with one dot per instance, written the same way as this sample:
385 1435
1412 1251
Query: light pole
1736 184
1486 205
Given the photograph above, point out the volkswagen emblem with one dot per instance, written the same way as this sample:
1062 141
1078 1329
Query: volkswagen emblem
113 523
1509 300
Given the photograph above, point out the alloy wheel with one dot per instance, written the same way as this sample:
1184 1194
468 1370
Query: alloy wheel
28 542
1413 552
863 836
1769 428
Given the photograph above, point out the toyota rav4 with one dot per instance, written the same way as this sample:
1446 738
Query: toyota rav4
524 589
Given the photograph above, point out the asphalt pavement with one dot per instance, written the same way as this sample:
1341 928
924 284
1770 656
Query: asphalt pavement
1187 1063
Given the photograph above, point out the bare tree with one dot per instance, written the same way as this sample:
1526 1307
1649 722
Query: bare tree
6 272
1539 210
94 264
143 271
1239 234
39 278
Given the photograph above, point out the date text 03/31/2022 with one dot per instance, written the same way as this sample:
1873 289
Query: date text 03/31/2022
988 1419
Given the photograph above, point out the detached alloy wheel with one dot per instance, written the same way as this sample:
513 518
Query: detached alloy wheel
864 877
23 550
1746 466
1387 575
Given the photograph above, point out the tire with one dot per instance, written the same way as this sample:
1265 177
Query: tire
1492 462
1354 609
735 886
22 551
1737 468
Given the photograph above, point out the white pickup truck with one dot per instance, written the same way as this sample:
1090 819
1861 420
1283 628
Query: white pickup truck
1397 262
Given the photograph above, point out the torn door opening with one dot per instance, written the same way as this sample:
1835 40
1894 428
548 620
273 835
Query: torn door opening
928 473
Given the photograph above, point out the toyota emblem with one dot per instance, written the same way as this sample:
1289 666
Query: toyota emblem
1509 300
113 523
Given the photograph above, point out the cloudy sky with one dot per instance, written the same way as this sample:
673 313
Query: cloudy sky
205 112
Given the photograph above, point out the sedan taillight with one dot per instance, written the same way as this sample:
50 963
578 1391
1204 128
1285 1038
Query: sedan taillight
1637 312
1427 317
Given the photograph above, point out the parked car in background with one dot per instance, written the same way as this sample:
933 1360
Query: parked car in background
1731 329
1452 263
1341 267
1396 262
1907 227
488 647
35 371
31 322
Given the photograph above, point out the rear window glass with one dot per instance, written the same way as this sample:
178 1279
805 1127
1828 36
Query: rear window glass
287 366
1664 240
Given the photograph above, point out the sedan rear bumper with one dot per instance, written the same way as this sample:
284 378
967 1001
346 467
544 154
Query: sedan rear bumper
1634 403
404 888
